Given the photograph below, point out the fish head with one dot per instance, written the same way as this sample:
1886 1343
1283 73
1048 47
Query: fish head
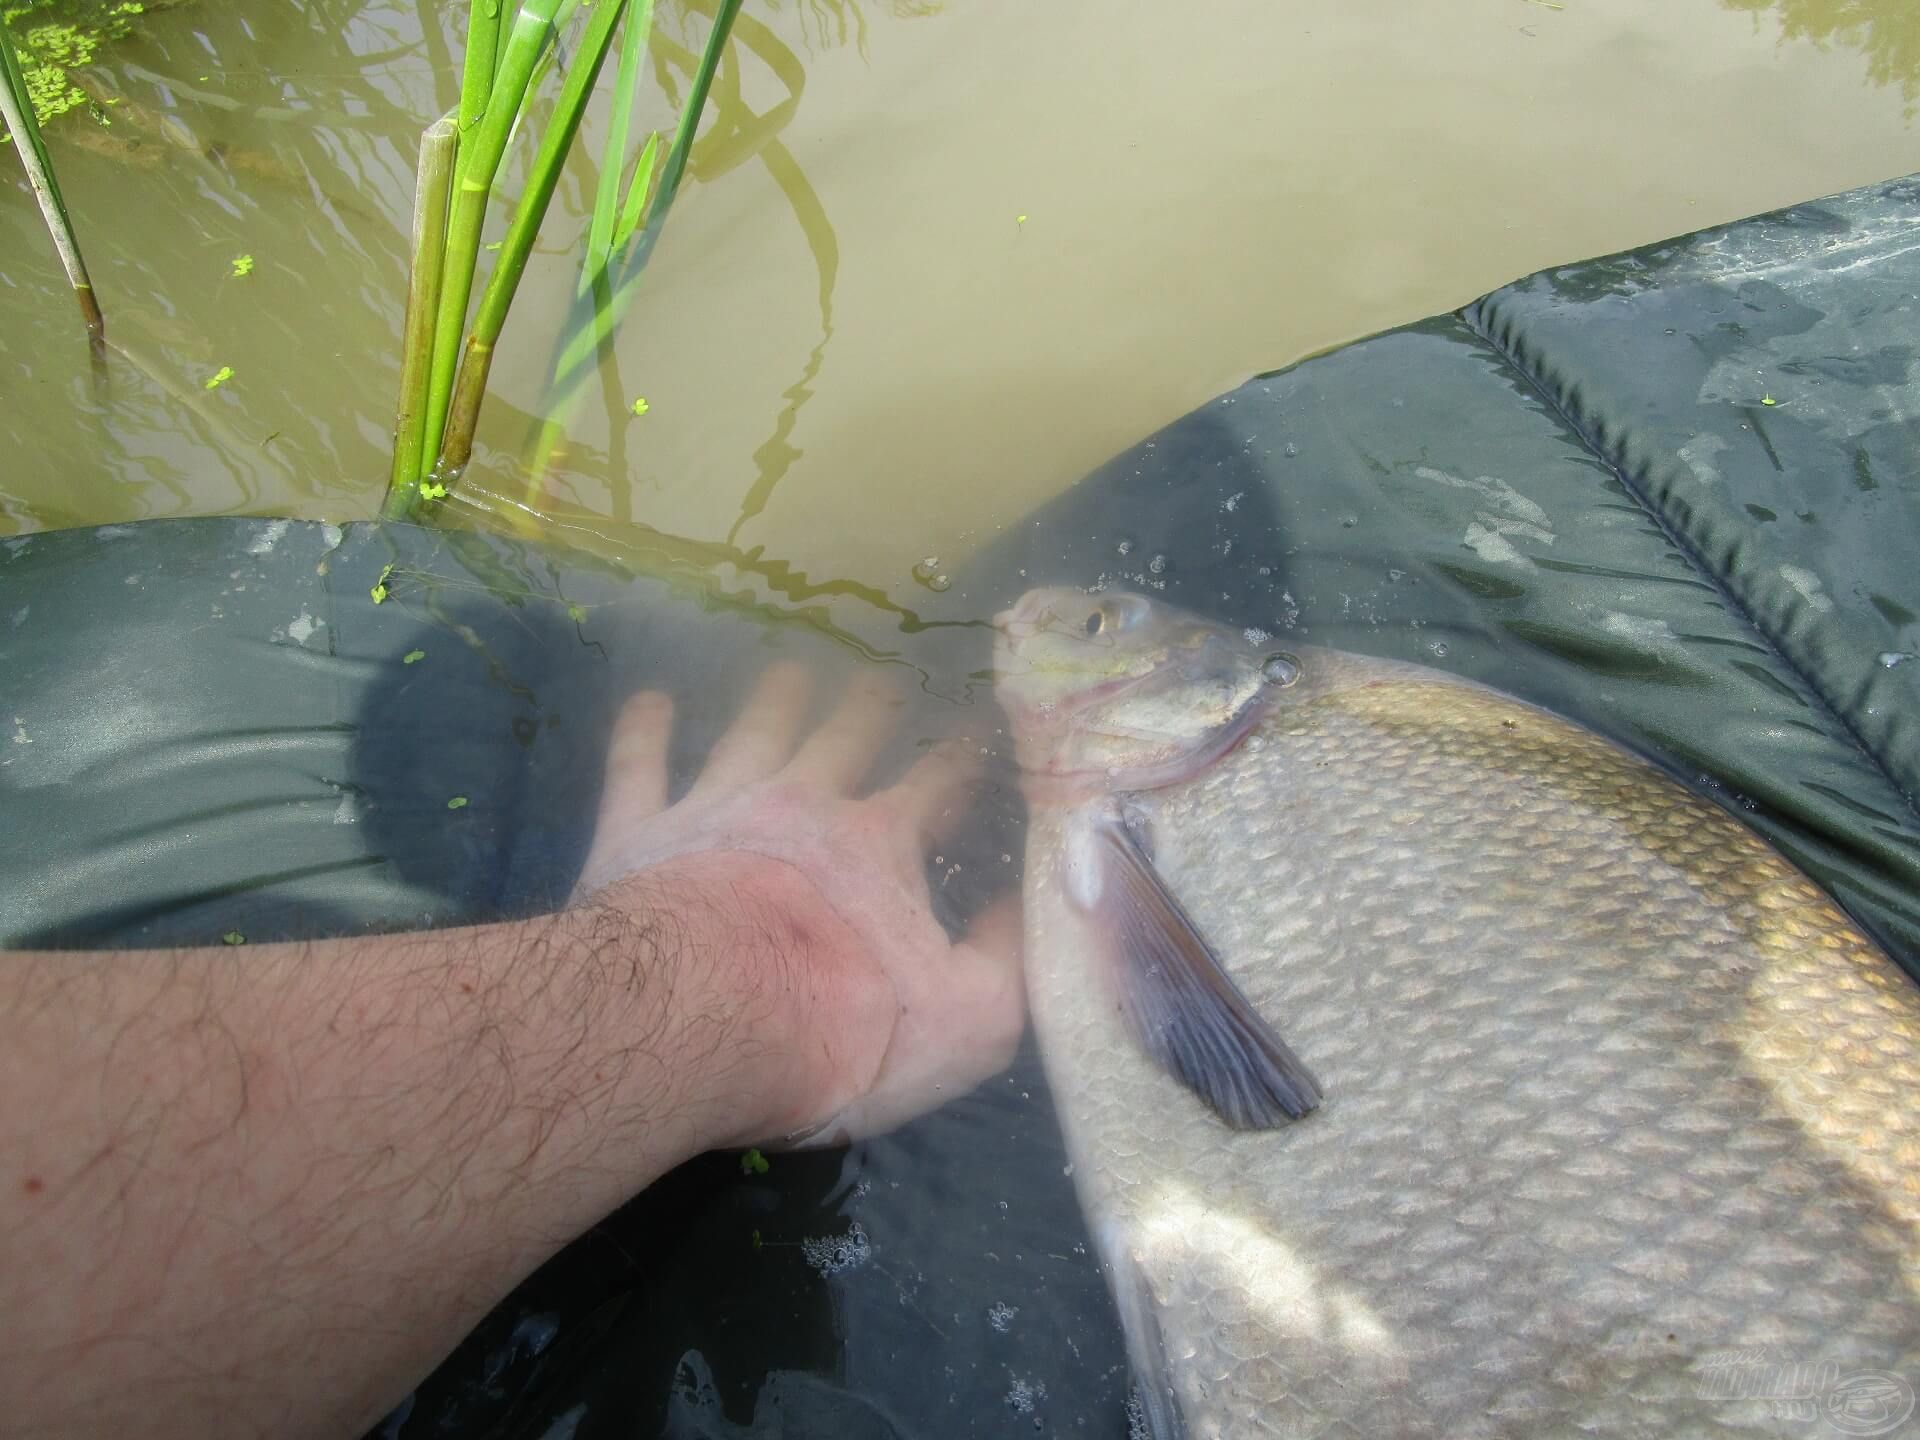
1125 691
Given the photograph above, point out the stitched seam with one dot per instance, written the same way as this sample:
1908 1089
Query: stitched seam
1471 317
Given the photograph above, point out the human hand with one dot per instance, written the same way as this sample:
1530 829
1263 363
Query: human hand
855 1011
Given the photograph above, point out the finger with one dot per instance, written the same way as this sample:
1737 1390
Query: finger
990 992
762 736
636 787
838 754
932 796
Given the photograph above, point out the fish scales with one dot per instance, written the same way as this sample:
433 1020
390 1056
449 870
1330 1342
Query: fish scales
1614 1096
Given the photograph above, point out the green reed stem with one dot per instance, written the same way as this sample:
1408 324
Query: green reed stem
606 197
690 117
438 147
484 21
16 107
548 162
479 160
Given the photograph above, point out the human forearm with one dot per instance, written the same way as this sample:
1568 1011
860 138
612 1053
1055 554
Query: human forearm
329 1160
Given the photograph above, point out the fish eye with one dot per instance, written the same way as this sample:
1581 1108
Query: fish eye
1281 669
1094 622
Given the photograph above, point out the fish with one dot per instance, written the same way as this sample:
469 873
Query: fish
1429 1065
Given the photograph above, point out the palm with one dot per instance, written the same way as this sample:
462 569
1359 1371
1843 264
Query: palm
889 1016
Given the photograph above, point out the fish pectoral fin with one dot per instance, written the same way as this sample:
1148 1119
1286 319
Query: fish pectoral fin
1180 1002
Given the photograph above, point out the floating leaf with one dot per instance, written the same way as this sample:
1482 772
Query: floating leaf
577 614
458 802
413 655
220 377
1768 400
379 591
242 265
1019 219
432 490
756 1240
754 1163
233 937
640 406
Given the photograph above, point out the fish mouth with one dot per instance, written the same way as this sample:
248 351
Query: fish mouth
1013 626
1023 619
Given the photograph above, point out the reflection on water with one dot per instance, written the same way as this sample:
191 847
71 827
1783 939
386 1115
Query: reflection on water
1887 32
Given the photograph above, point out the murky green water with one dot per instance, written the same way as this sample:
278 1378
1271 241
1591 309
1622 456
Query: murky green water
936 261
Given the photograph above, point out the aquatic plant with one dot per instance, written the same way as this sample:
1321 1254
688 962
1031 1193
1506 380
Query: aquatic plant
444 379
431 190
17 108
57 39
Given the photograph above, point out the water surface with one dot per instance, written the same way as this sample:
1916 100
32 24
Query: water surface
936 260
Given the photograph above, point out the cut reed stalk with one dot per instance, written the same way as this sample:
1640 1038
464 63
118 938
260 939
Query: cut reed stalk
16 107
438 148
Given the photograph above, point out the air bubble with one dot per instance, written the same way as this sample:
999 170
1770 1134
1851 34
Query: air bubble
831 1254
1157 564
1280 669
1439 648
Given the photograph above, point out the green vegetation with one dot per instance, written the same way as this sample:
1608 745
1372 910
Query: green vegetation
443 380
57 38
19 107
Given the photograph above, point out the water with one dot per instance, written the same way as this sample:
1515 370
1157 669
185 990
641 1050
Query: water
856 320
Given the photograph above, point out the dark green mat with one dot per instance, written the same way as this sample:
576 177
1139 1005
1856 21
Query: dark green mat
1575 489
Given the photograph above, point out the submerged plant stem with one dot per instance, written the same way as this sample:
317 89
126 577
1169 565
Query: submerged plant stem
438 147
16 107
613 282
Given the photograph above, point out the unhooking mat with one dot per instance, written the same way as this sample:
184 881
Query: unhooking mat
1674 494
